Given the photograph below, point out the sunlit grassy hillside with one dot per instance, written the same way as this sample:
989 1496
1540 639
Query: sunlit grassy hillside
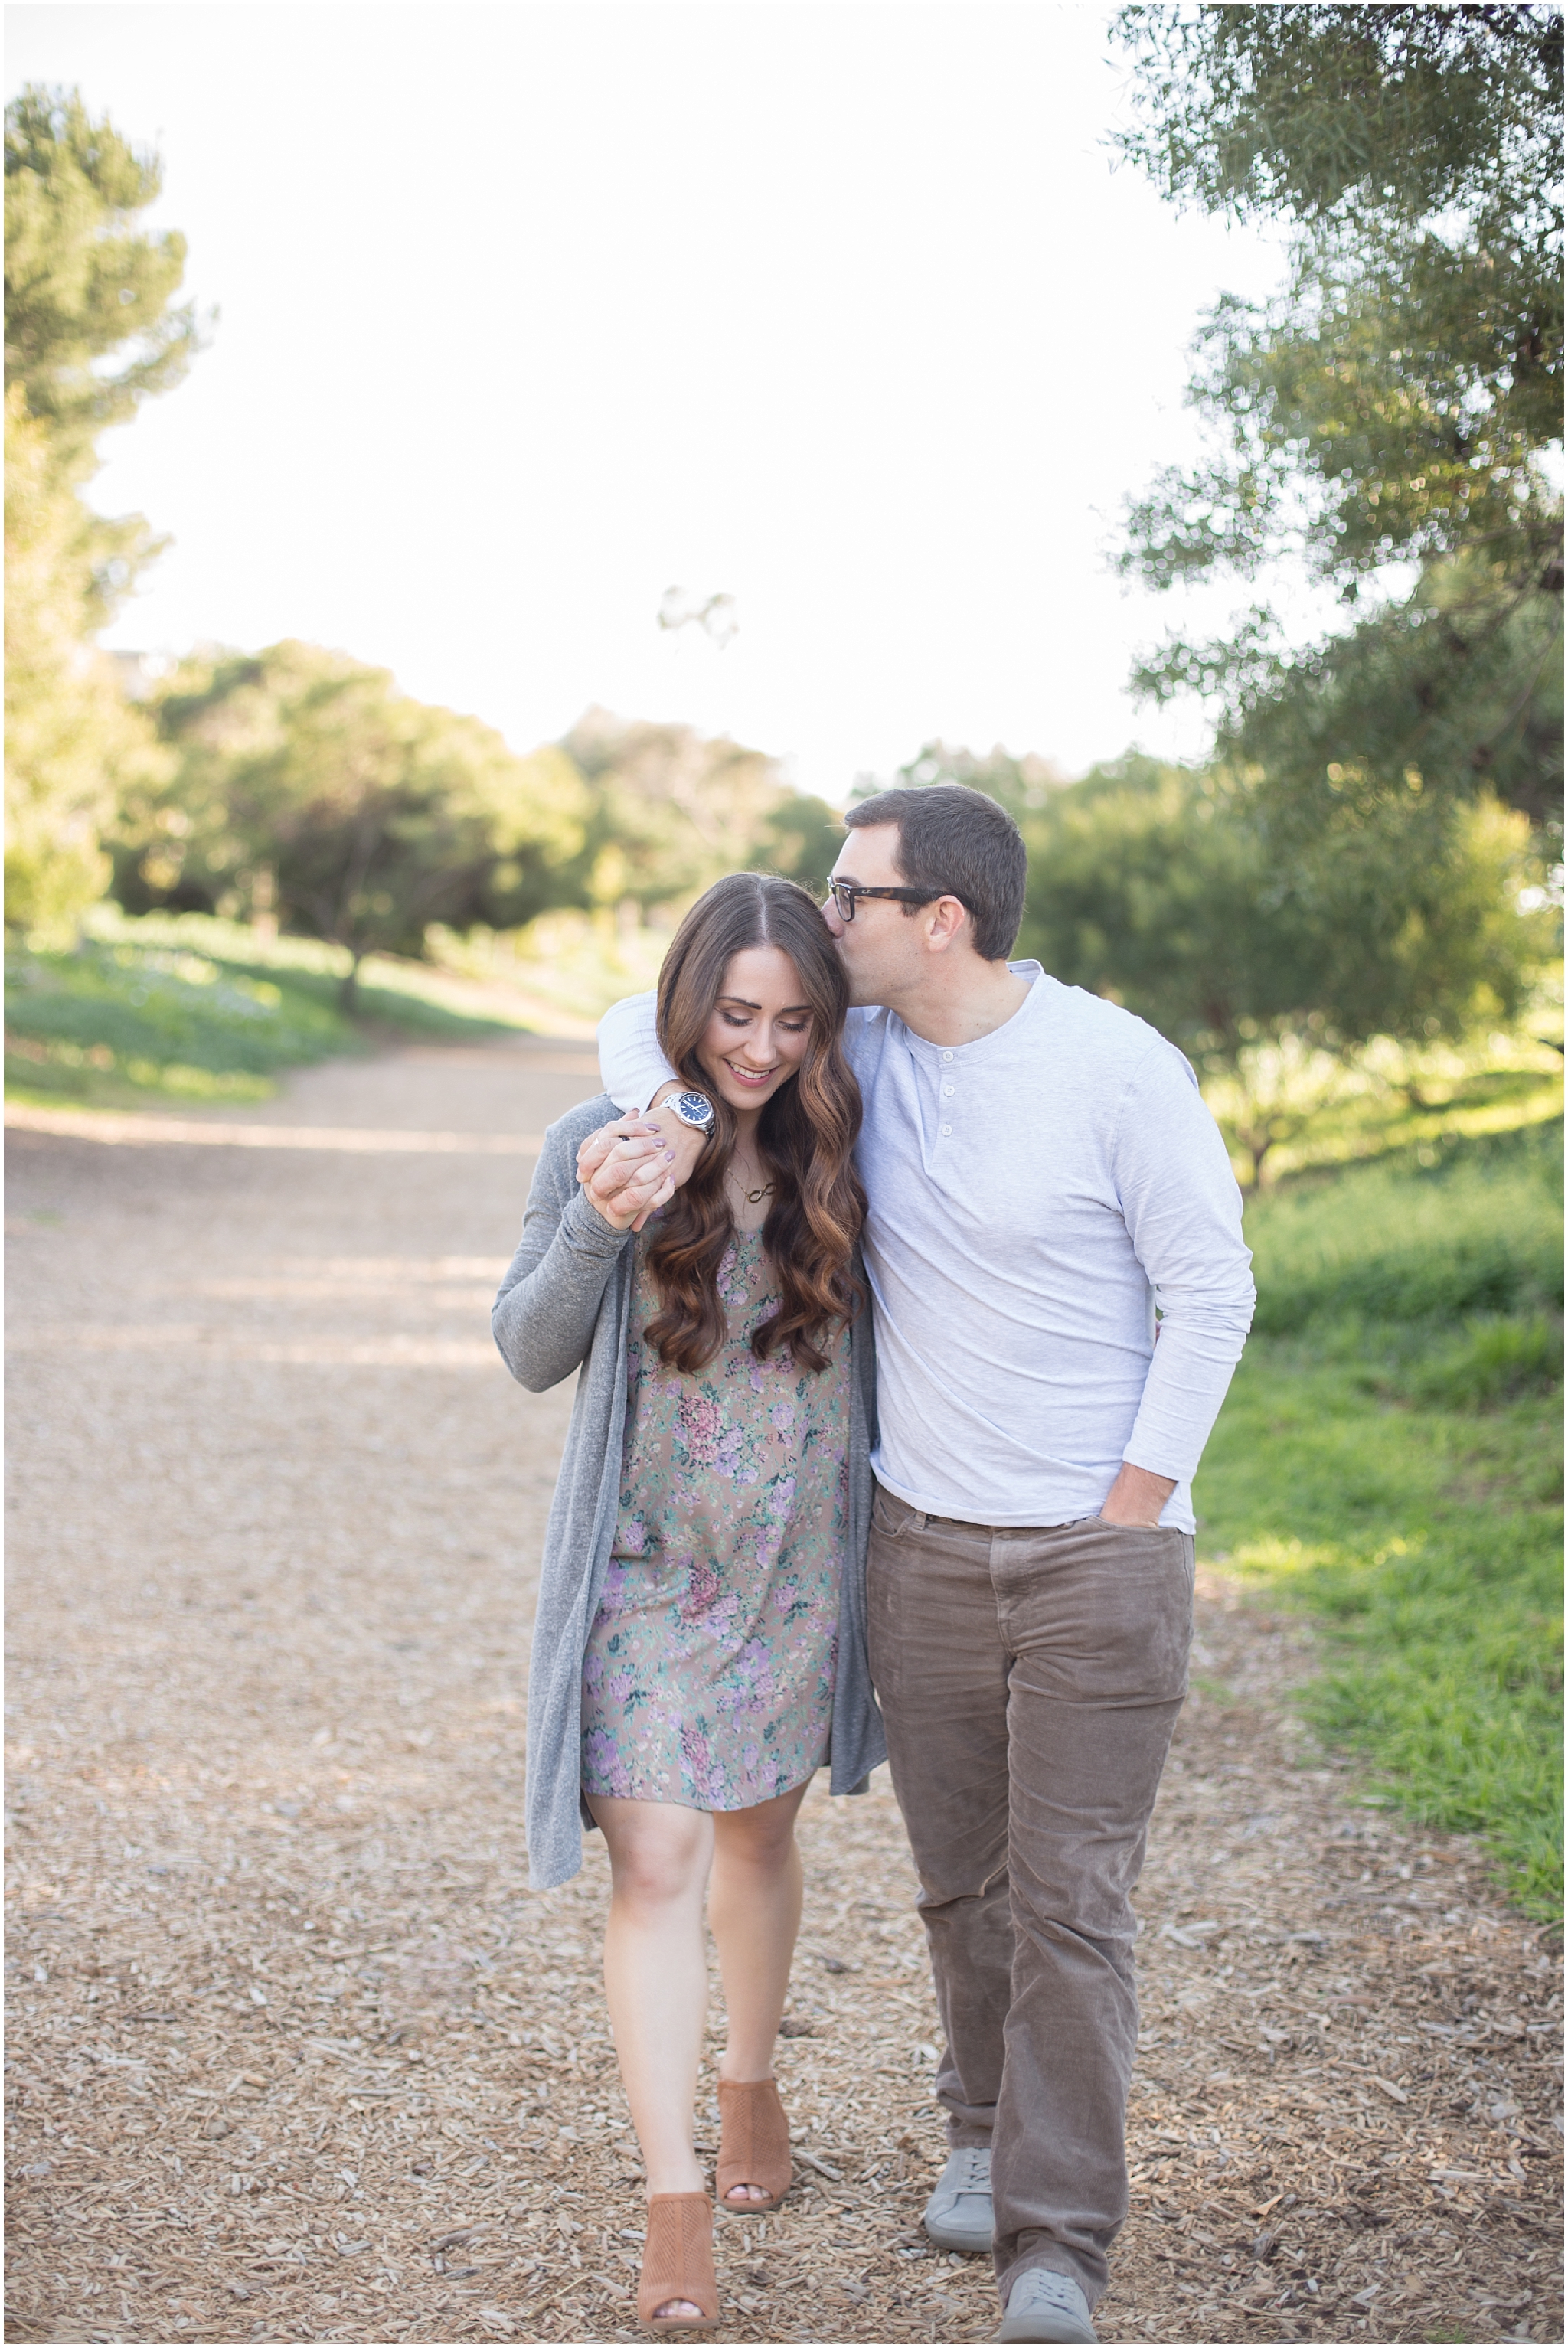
1391 1457
189 1010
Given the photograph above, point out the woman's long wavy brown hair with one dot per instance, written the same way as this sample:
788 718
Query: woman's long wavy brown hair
805 1137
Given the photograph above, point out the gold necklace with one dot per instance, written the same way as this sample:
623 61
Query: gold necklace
752 1197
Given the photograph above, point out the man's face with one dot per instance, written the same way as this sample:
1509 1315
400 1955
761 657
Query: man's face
880 949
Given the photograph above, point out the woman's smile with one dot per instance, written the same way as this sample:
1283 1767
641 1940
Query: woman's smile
758 1009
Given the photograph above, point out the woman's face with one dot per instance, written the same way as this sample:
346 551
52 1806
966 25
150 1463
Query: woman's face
760 1027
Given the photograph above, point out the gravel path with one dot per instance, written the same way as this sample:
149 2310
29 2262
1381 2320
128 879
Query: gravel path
293 2054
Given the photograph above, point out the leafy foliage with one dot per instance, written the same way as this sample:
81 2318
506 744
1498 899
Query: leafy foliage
91 327
83 284
91 332
671 810
1462 701
1338 115
70 739
1285 1103
1158 887
1391 407
303 781
370 815
799 840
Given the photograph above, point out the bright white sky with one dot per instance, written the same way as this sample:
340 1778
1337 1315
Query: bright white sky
532 312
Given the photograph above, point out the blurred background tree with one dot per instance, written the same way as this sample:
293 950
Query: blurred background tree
1156 886
302 783
305 780
90 331
90 326
71 740
672 810
799 840
1380 425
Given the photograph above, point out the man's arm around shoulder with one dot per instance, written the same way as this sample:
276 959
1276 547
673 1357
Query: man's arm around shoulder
635 1072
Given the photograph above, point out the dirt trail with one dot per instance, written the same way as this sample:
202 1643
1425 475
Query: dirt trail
293 2054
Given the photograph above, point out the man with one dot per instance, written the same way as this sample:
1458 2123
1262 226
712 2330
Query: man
1047 1194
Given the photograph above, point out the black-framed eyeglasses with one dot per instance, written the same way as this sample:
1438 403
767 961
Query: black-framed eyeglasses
844 893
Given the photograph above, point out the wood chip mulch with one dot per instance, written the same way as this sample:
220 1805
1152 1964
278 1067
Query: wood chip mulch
293 2054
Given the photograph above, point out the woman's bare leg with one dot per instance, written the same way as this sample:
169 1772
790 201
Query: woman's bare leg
754 1909
655 1979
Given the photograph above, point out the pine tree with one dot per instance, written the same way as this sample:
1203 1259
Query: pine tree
91 330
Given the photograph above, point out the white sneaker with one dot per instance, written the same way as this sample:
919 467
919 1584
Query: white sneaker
1045 2305
958 2214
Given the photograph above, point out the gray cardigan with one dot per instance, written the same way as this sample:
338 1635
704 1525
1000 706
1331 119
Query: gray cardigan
566 1301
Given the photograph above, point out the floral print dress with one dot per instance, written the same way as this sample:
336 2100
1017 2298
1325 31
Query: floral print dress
709 1676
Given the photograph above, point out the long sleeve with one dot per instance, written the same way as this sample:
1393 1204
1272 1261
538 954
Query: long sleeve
630 1060
1183 1214
544 1314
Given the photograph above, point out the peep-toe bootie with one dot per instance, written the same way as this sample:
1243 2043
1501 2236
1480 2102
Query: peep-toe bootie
753 2142
677 2263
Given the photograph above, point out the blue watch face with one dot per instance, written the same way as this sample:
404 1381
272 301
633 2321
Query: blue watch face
694 1109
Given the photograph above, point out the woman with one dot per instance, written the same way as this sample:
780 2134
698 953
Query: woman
700 1644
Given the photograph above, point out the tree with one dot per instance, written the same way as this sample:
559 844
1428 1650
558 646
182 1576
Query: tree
372 815
1391 409
89 334
799 840
90 326
672 810
85 288
1155 886
302 780
70 738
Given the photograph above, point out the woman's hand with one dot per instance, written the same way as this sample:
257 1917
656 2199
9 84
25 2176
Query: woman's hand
626 1170
679 1147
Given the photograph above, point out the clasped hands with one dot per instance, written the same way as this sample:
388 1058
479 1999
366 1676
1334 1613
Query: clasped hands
634 1165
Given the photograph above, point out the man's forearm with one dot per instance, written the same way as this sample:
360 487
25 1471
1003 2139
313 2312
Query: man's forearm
684 1144
1136 1496
631 1063
1200 1343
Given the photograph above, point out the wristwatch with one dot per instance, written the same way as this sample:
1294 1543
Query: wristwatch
693 1110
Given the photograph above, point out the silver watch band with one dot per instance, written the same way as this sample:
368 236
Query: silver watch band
703 1125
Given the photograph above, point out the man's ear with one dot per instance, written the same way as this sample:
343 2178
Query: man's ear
945 923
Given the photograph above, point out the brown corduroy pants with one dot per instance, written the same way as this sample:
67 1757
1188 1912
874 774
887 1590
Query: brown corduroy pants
1029 1678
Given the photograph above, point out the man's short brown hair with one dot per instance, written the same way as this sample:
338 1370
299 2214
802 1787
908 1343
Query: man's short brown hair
958 843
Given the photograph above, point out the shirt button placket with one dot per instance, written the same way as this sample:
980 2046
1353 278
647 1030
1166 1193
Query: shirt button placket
948 1083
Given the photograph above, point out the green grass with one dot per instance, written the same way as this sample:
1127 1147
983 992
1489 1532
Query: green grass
193 1011
1390 1459
1477 1229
